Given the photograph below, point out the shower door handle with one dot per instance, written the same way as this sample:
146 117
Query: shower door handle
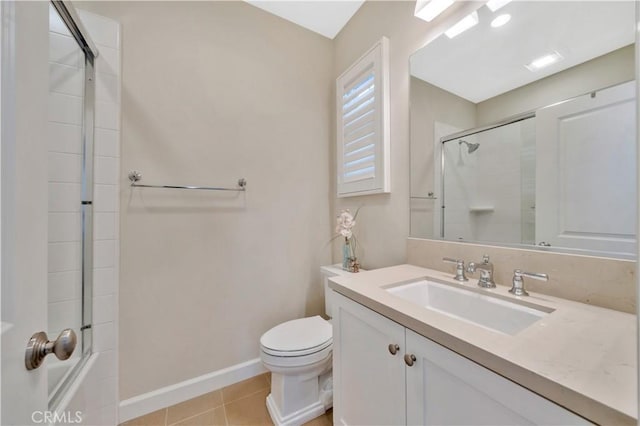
39 346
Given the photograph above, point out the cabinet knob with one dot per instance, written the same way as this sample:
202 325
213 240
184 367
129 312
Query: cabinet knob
409 359
393 349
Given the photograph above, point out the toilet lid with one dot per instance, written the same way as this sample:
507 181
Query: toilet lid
298 336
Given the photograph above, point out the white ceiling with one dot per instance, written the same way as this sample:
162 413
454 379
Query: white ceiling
326 17
484 62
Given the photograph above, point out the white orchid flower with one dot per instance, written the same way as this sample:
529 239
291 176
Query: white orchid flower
345 224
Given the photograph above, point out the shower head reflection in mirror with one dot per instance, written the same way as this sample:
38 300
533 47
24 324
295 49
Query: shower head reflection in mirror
471 147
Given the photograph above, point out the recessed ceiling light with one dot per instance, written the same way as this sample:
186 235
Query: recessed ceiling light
544 61
497 4
500 20
428 10
463 25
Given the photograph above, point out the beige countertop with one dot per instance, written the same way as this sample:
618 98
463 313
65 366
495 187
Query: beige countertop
582 357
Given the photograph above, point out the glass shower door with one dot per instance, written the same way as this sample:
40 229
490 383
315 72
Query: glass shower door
70 167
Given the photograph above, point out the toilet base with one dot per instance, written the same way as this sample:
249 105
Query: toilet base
295 400
296 418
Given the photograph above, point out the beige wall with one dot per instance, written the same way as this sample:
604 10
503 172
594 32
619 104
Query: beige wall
215 91
383 221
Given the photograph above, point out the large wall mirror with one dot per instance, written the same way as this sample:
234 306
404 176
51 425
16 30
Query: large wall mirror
523 129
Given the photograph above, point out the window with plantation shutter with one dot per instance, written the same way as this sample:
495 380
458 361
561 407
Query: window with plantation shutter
363 124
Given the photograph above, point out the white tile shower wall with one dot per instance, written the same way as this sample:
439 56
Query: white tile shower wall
500 185
97 395
483 188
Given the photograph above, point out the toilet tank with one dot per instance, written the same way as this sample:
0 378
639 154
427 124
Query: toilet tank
328 272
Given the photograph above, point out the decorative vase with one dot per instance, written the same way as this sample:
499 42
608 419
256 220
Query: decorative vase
346 255
349 259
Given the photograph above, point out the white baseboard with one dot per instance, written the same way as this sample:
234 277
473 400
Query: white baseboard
169 395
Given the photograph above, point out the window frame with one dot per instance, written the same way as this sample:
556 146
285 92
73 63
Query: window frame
376 58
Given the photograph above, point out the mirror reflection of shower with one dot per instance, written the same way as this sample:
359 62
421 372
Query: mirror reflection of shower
471 146
488 182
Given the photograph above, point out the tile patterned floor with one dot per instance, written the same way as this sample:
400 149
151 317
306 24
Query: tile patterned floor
242 403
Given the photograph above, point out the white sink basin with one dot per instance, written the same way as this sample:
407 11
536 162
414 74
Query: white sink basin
470 306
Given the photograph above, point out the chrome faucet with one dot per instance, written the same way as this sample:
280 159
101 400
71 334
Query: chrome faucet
518 281
486 272
460 276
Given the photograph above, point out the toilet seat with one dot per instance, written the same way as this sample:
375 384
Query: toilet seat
301 364
294 354
298 338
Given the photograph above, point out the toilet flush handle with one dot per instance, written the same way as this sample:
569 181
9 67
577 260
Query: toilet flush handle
393 348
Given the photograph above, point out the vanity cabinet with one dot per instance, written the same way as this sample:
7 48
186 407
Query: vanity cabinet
369 381
374 386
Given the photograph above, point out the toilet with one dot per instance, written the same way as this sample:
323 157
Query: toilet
299 354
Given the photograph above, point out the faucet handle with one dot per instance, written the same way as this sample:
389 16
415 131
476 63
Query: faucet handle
459 268
534 275
518 281
485 258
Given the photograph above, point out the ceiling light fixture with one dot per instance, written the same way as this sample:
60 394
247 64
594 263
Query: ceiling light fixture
463 25
544 61
494 5
500 20
428 10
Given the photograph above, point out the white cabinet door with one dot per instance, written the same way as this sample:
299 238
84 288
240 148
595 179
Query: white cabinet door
369 382
444 388
586 185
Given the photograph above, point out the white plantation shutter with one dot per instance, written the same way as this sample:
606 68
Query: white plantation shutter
363 124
